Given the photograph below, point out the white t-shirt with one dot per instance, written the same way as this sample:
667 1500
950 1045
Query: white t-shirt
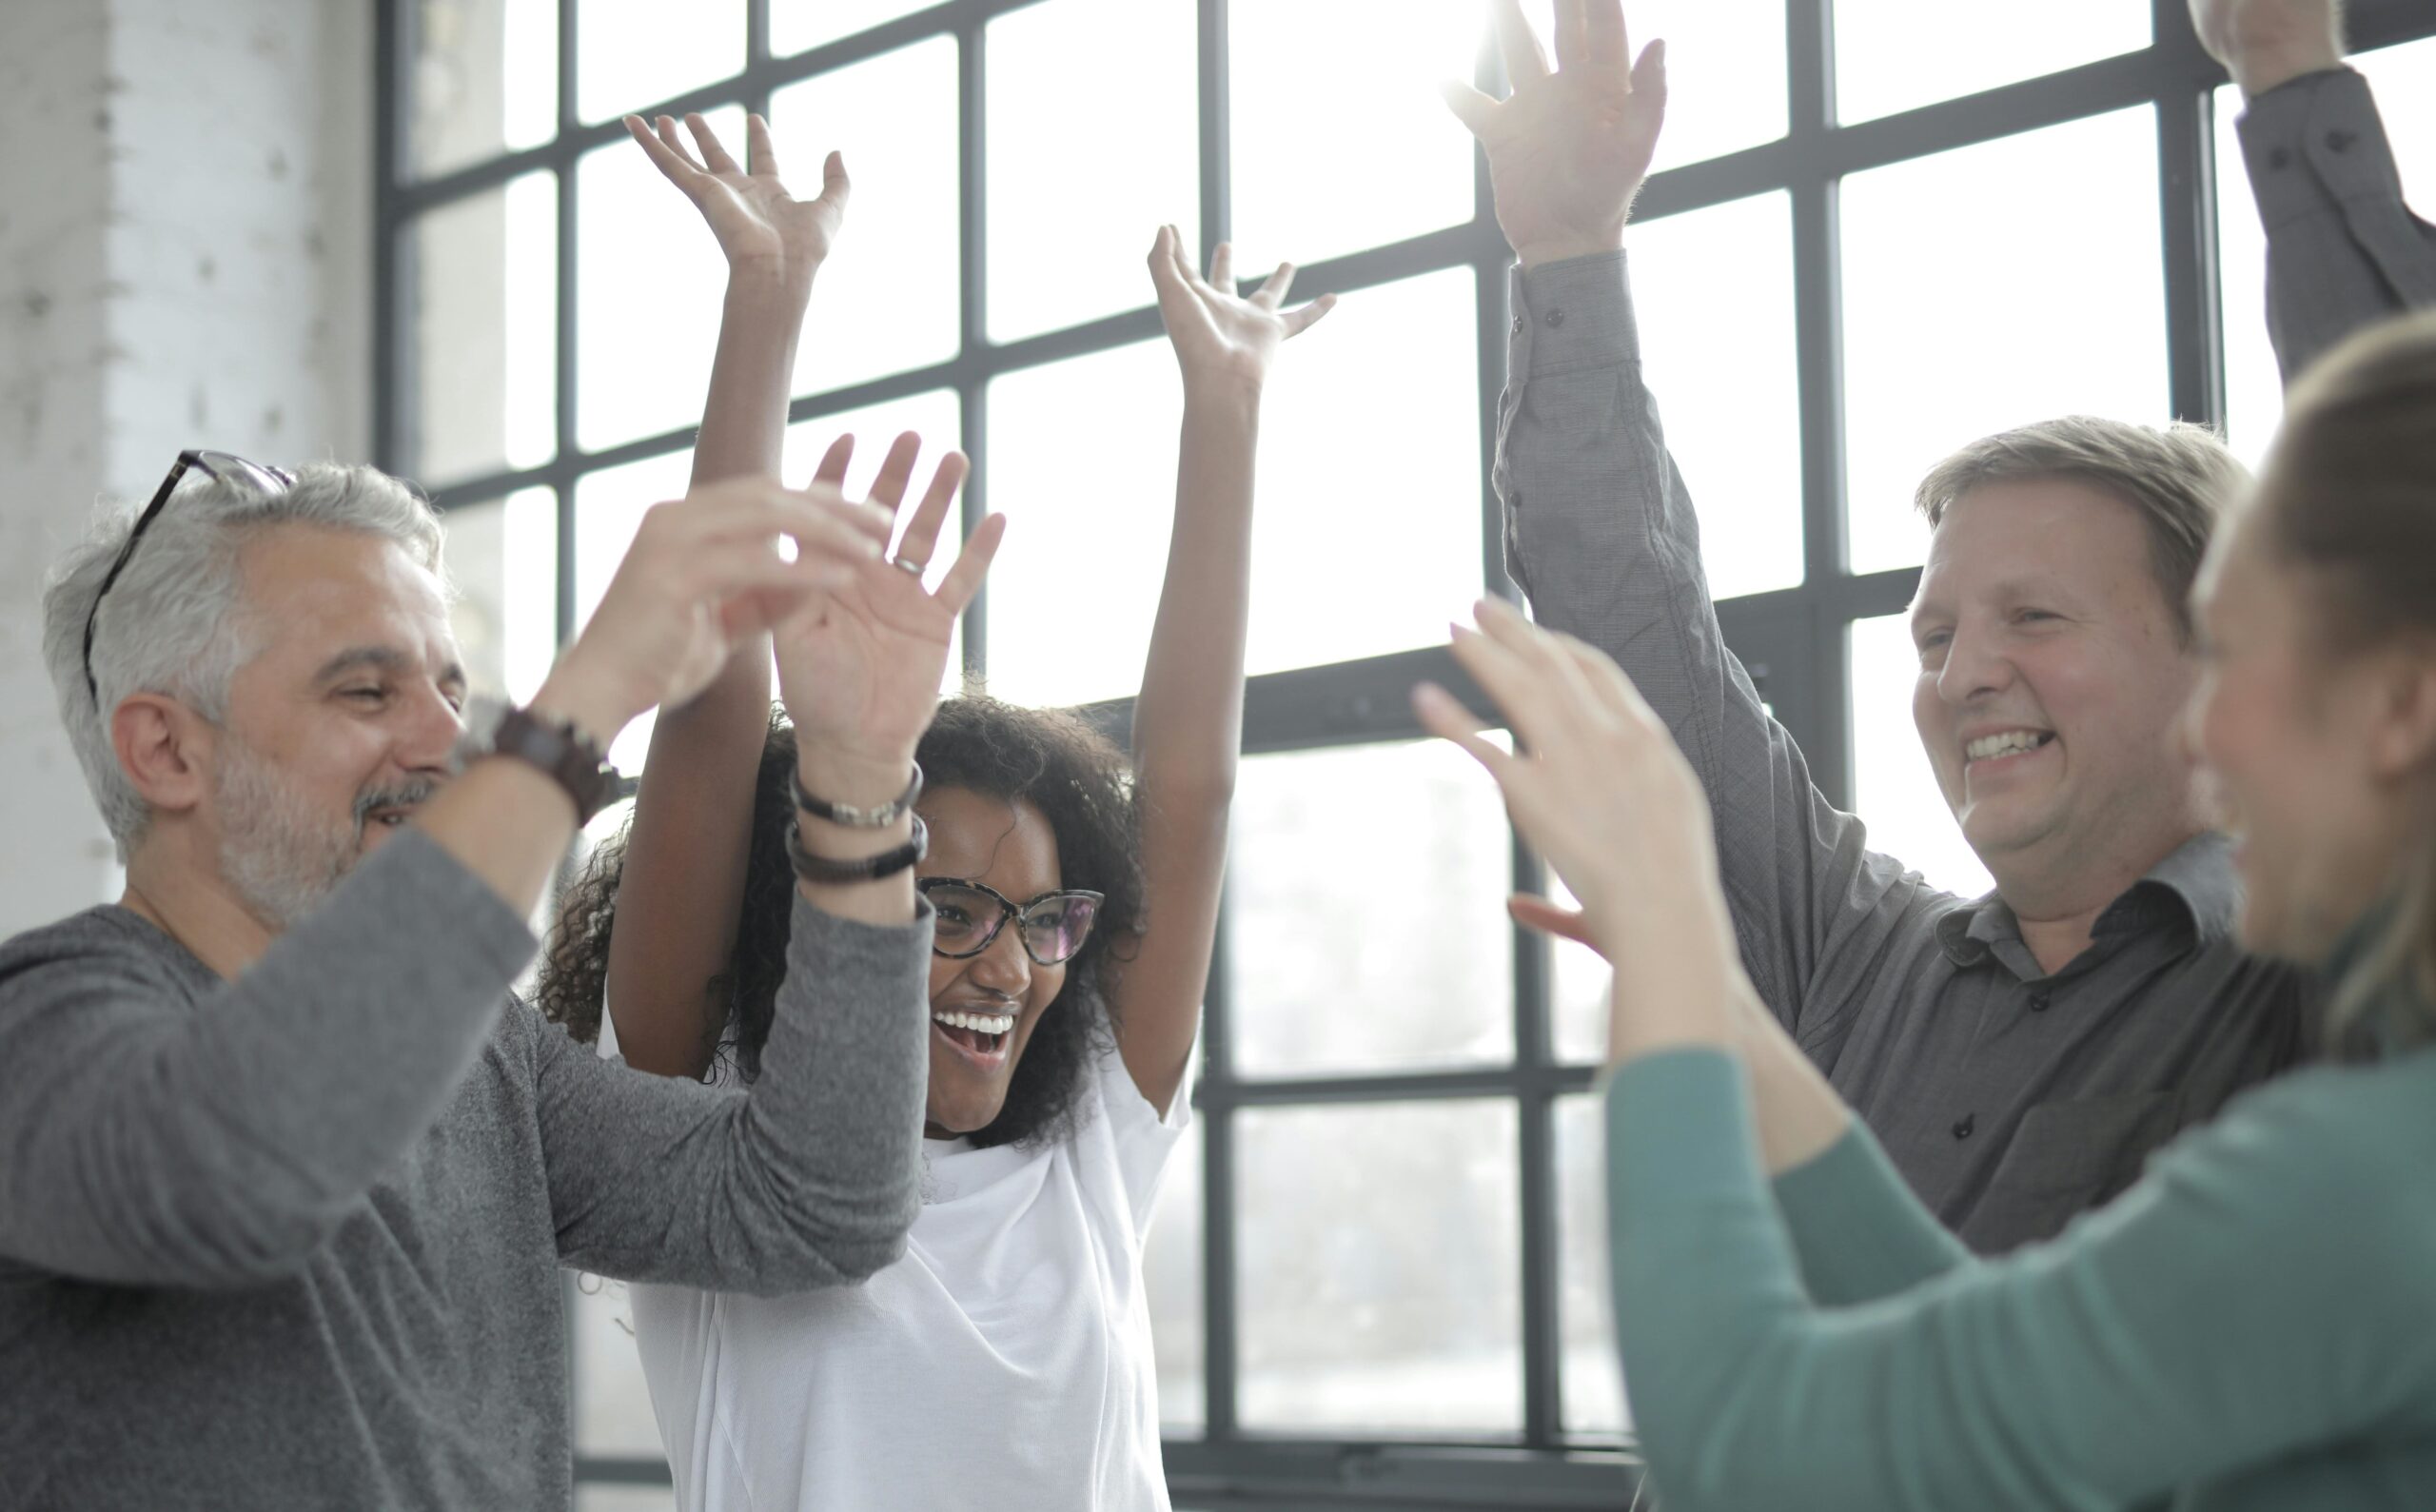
1004 1362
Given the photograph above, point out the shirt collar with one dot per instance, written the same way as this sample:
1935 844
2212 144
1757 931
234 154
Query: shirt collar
2194 887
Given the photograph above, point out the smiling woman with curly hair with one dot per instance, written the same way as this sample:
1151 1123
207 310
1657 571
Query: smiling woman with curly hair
1074 892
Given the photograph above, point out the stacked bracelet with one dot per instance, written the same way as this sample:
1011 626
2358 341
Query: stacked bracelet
849 815
871 868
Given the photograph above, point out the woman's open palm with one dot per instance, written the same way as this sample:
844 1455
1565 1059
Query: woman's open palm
861 668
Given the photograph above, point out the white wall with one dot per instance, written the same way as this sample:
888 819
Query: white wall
184 261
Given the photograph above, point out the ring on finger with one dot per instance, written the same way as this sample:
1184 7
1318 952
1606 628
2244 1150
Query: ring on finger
908 565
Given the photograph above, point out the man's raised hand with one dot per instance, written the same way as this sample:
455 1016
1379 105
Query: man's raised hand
1568 147
2266 43
761 227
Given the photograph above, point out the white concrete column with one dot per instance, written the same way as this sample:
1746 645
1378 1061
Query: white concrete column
184 261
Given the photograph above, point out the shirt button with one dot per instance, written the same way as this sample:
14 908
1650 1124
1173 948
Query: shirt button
1962 1130
2038 1002
1555 318
2340 141
1518 324
2278 159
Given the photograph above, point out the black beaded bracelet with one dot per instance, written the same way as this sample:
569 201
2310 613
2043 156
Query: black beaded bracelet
849 815
812 868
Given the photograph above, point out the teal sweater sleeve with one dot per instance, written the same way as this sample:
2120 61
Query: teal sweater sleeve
1858 1231
2235 1306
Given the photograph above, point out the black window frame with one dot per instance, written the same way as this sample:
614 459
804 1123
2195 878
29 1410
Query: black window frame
1795 640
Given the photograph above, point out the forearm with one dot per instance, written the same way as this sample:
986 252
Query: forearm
2343 250
1189 718
682 893
1188 731
810 1181
152 1142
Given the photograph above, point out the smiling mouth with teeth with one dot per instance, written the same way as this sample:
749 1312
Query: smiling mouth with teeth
2012 742
982 1033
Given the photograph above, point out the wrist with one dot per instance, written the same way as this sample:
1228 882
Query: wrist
1543 250
1223 396
762 283
2260 69
852 778
571 696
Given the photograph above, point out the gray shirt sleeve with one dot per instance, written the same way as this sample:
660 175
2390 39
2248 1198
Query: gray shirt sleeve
810 1180
149 1136
2342 248
1601 536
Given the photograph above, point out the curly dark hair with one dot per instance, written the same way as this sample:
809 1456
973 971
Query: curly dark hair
1073 775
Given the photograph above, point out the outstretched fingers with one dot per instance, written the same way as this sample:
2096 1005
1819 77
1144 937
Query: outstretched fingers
972 565
714 153
666 126
1443 715
1273 289
761 158
896 470
1297 322
1222 269
922 529
674 165
833 462
1524 58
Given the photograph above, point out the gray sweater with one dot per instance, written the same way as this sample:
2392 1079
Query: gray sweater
294 1240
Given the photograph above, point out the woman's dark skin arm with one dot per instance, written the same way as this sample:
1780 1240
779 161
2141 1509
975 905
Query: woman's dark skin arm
1187 722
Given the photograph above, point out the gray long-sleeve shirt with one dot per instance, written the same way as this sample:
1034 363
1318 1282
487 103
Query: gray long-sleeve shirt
294 1239
2011 1098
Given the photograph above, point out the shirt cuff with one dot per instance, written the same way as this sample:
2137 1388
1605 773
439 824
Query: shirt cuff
2314 144
1571 317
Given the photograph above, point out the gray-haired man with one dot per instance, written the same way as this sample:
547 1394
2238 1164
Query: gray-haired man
2020 1054
287 1178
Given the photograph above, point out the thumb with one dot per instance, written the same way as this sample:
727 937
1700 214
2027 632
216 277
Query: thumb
835 186
1472 108
1535 913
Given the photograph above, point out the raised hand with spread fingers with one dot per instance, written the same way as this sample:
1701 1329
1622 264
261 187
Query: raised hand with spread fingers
1569 146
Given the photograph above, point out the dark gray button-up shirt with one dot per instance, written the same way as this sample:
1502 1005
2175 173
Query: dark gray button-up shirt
2009 1098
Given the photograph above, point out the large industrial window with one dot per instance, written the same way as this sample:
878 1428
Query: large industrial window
1874 234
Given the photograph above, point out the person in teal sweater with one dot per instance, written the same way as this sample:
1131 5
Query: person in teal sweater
2248 1326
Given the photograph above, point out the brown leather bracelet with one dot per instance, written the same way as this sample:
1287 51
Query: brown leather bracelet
571 759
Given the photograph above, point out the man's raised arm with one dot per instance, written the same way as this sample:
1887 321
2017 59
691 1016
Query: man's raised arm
1599 529
2342 248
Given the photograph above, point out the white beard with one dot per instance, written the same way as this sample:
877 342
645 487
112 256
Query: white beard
277 853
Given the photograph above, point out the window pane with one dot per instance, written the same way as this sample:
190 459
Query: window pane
1896 54
1379 1268
1593 1391
612 1405
485 80
1716 331
887 297
1171 1278
487 331
609 508
635 53
502 560
1342 140
649 283
1367 537
1965 313
1725 68
796 26
2404 80
1082 462
1398 956
1895 790
937 417
1059 259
